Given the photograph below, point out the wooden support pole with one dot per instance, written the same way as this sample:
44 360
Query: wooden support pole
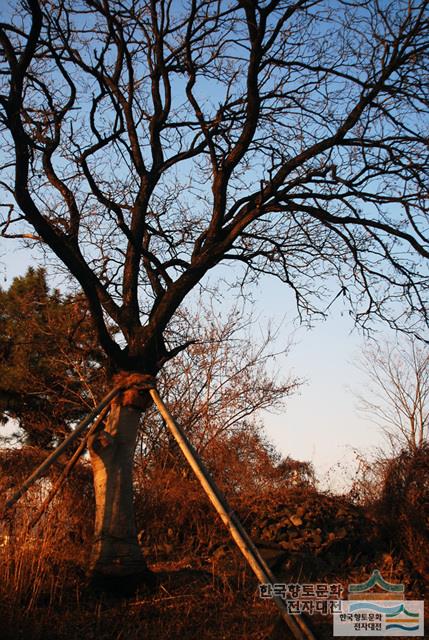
68 468
296 624
65 443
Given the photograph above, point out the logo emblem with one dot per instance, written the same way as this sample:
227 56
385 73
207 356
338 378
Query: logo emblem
377 607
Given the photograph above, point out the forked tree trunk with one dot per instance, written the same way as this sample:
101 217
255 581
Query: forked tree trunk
117 562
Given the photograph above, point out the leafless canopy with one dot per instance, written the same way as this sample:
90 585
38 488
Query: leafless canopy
397 392
146 141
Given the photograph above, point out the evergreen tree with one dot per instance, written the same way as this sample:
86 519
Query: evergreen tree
49 360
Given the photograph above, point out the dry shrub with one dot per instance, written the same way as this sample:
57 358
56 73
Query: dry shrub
41 564
175 516
368 481
404 506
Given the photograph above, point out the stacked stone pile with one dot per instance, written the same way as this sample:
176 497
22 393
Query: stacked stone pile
311 523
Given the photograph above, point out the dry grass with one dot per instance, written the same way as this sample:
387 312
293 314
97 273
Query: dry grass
205 591
404 507
45 598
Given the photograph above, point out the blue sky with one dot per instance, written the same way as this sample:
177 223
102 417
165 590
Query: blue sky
321 422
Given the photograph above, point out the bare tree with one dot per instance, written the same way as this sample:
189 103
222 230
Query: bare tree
145 142
397 397
226 380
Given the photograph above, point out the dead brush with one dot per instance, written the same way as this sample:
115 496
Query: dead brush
40 565
404 506
175 517
26 565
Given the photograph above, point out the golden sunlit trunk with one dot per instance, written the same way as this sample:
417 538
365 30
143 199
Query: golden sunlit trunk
116 558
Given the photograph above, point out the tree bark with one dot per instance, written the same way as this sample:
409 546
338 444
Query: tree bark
117 562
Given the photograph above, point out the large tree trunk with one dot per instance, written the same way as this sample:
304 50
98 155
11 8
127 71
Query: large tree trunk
116 562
